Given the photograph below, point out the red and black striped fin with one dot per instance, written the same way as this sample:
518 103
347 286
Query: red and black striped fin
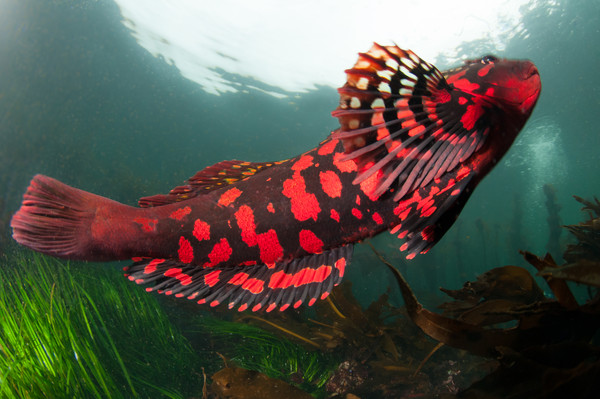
254 287
403 123
208 179
427 214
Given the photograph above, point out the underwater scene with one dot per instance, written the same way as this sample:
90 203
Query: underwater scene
197 199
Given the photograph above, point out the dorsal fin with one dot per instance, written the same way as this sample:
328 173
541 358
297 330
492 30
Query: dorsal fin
401 120
208 179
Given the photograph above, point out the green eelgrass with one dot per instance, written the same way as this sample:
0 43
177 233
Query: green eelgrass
256 349
69 333
47 338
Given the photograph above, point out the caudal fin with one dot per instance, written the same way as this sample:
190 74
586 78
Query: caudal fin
55 218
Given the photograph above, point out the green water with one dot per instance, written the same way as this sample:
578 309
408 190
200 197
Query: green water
81 101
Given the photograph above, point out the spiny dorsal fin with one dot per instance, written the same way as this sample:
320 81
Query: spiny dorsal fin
398 120
208 179
254 287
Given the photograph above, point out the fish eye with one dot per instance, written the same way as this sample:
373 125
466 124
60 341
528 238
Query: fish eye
489 59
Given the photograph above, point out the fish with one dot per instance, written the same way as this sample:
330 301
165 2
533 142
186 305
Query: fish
412 145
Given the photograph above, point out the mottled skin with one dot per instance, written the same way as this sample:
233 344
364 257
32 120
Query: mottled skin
412 145
321 202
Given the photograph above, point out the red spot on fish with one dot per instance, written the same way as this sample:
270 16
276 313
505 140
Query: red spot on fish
253 285
268 243
172 272
184 279
340 264
369 185
462 100
484 71
462 173
212 278
407 117
151 267
304 162
377 218
304 205
378 119
343 166
243 307
395 229
455 192
310 242
334 215
249 263
382 133
331 184
229 196
239 278
307 275
271 307
416 130
357 213
270 208
221 252
180 213
185 251
466 85
148 225
270 249
297 304
328 147
201 230
245 221
471 116
426 212
357 200
402 210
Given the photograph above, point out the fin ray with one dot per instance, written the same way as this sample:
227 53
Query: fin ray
249 287
431 211
208 179
394 111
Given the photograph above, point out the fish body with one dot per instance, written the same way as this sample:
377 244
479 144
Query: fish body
412 145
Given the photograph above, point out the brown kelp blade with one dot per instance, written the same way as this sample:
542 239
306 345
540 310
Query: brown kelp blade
545 323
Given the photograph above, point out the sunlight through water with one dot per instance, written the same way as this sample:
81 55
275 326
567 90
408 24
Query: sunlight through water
296 46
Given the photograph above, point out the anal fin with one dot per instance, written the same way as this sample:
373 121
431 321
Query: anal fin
257 287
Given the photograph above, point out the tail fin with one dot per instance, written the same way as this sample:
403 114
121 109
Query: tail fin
55 218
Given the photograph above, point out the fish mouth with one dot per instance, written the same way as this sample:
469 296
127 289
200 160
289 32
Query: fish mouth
533 85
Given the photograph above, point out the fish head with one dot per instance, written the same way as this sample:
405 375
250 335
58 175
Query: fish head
513 85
